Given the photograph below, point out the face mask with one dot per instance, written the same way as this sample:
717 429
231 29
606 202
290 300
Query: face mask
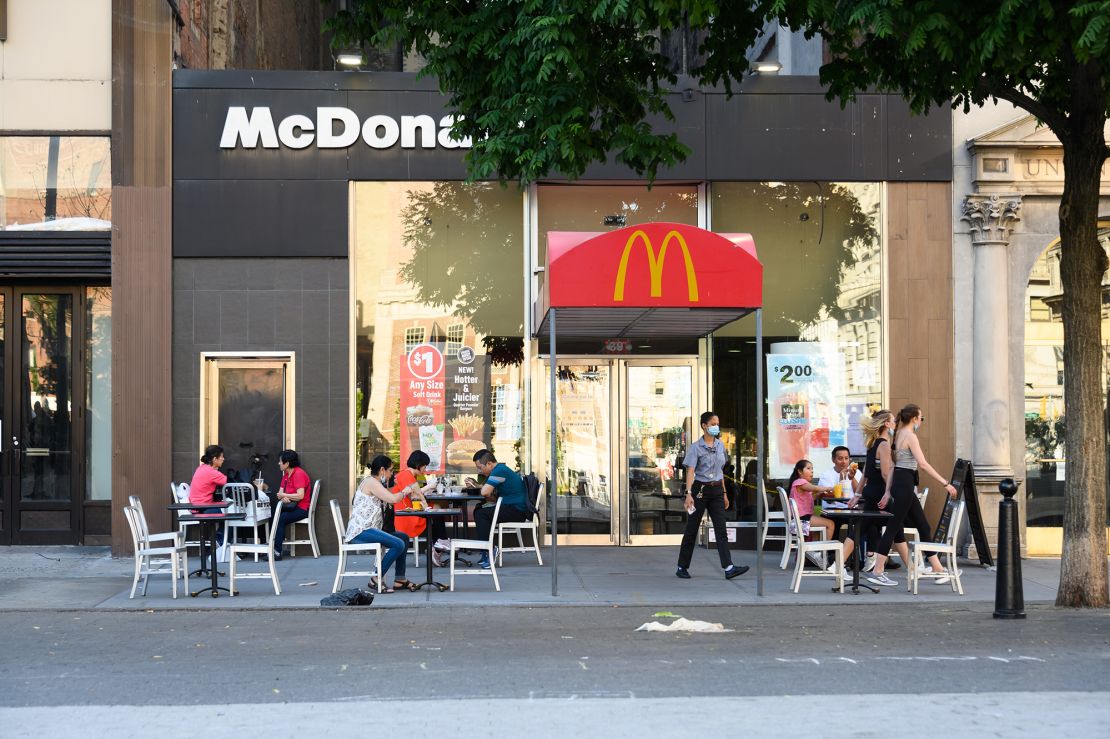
916 426
384 479
713 430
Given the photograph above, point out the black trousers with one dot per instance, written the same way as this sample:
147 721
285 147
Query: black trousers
711 498
288 516
483 519
905 507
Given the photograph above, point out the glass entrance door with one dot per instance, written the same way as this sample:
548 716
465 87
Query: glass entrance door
622 424
41 504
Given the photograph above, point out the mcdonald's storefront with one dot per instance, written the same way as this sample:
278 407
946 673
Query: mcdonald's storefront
339 288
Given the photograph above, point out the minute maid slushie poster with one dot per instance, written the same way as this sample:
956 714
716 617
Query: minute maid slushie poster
805 401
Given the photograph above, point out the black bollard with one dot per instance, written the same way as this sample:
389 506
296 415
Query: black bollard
1009 600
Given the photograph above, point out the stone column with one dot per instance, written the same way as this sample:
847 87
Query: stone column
991 219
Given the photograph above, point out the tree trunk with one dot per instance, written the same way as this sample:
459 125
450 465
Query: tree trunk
1083 571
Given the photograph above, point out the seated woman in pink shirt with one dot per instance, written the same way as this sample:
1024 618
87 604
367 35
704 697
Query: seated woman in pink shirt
202 489
802 491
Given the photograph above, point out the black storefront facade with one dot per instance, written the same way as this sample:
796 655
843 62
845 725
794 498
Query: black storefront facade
325 245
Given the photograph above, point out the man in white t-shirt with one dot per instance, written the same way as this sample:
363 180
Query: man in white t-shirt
843 472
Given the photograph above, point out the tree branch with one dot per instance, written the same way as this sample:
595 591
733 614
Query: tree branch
1051 118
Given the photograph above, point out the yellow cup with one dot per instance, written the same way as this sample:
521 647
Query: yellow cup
837 490
417 505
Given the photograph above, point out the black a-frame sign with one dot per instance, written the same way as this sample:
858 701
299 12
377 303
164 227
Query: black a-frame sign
963 479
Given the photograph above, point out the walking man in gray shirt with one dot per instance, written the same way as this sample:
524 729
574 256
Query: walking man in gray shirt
705 489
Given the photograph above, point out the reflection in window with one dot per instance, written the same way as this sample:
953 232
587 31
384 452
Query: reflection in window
440 263
1045 418
59 183
98 389
820 247
414 337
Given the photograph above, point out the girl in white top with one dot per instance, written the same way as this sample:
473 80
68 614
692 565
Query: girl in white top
365 524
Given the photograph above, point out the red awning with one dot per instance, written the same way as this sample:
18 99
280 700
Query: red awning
653 280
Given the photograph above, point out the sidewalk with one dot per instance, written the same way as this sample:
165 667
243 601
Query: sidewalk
87 577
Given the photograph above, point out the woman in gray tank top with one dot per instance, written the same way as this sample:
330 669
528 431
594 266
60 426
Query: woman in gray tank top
901 500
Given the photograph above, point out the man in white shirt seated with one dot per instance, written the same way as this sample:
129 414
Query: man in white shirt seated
844 473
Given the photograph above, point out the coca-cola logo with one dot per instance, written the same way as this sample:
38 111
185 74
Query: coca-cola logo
419 417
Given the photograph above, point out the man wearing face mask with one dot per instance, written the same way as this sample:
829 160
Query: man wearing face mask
705 490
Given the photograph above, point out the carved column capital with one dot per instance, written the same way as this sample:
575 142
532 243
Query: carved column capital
991 217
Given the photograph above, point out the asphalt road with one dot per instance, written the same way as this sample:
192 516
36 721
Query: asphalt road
87 658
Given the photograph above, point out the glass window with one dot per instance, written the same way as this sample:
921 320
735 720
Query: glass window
414 337
439 321
455 334
59 183
1045 417
98 389
820 247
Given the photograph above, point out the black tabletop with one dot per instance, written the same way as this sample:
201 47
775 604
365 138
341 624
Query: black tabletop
202 517
429 512
856 513
448 498
191 506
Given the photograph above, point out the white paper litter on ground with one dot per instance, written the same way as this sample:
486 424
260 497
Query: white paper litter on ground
684 624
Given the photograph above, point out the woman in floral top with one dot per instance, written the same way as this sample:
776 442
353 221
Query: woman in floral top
365 525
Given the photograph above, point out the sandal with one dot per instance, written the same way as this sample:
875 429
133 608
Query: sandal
373 585
408 585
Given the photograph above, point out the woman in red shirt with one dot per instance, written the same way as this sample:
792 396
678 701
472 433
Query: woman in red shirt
295 491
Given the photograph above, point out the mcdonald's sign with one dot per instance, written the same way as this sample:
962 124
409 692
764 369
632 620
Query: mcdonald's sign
654 265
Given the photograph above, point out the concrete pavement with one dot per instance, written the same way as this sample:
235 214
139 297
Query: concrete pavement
86 577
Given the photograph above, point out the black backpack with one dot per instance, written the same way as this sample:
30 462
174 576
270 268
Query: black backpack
532 493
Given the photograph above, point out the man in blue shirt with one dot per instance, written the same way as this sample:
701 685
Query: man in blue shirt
509 487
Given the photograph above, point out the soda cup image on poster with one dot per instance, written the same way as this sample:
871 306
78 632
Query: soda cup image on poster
806 411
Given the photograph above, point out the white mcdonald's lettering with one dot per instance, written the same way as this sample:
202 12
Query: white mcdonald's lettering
655 265
335 128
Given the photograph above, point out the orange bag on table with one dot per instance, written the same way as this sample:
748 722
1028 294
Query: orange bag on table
412 525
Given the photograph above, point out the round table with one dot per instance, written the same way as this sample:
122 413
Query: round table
427 514
855 517
208 523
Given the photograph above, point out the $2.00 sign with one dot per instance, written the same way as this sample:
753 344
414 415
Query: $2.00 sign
805 398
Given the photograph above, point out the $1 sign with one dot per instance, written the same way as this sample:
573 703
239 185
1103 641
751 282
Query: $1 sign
425 362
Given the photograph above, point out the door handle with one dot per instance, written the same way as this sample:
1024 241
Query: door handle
37 451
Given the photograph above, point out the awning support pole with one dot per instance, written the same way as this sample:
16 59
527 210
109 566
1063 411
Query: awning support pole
553 486
760 496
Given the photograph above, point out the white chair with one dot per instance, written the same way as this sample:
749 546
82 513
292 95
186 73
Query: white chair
352 548
776 519
154 560
532 524
919 550
792 537
245 499
180 494
806 547
911 533
144 528
234 550
291 541
478 545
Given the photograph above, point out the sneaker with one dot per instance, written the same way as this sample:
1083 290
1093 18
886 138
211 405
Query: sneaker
882 579
685 574
870 565
496 552
831 569
732 571
943 580
484 563
443 545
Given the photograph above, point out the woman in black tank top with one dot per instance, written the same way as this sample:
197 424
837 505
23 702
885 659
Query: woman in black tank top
876 431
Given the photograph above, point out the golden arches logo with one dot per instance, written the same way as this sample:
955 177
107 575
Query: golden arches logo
655 265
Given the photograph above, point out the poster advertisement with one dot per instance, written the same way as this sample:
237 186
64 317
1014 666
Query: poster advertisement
467 409
423 392
806 412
